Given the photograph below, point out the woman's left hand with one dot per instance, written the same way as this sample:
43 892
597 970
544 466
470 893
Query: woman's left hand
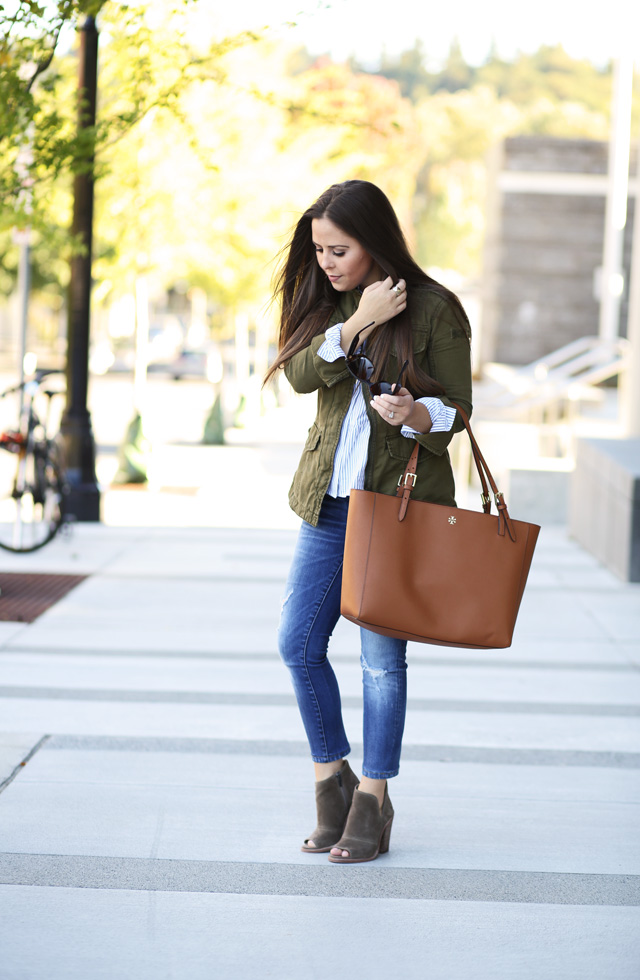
394 409
401 409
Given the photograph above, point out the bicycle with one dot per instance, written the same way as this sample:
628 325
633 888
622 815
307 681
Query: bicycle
33 488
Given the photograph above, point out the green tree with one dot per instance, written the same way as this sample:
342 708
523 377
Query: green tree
31 112
149 56
258 153
37 102
456 73
466 110
408 69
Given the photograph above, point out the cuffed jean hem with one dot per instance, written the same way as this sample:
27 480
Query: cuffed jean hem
379 775
333 757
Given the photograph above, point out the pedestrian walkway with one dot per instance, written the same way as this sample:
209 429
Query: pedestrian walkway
157 783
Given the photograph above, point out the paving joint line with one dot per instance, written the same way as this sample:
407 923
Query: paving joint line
417 659
123 695
479 755
311 880
36 748
223 577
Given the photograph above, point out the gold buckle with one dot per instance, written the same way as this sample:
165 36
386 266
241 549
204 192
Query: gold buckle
485 498
407 476
496 495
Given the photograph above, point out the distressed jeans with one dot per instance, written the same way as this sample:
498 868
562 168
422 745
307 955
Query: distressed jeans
310 611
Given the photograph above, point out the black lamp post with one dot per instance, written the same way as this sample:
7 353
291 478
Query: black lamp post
77 433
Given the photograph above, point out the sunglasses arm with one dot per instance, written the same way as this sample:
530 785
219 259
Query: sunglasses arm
398 383
355 342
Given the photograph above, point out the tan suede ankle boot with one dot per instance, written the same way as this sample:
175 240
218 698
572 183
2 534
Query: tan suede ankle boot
333 800
367 831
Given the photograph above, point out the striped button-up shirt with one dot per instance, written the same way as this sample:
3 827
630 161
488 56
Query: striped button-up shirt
351 454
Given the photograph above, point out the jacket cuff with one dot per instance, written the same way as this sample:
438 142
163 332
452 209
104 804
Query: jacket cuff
438 442
330 372
442 418
331 349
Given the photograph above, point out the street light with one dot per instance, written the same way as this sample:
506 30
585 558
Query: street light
84 496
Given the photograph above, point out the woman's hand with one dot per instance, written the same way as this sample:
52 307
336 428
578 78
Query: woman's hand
380 302
401 409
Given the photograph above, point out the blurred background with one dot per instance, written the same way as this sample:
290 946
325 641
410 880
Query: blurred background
508 146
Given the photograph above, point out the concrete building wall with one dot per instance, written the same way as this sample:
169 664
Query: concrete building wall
543 248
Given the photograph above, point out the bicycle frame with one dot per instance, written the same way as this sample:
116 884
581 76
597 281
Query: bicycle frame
38 483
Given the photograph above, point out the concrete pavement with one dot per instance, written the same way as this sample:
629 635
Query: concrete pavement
154 830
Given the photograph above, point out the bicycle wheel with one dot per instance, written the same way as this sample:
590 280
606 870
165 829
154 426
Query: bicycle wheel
31 496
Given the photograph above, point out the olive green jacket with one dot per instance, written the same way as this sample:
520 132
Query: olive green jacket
441 348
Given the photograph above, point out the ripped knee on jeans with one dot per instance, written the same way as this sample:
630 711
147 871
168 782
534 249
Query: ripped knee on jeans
285 600
283 605
375 673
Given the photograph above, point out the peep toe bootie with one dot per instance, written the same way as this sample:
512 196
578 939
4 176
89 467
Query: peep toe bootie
367 831
333 800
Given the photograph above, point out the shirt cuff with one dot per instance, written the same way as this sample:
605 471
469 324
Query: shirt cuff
442 417
331 349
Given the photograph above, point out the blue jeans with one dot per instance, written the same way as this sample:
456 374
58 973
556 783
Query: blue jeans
310 611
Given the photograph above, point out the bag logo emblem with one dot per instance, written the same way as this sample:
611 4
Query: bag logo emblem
452 520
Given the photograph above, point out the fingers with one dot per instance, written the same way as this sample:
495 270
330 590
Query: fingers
399 406
382 300
399 295
387 288
392 416
398 399
388 282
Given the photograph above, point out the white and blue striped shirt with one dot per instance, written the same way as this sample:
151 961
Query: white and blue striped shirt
351 454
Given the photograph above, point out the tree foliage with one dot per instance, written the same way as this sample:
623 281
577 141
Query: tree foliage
464 109
38 141
258 152
38 101
547 73
204 149
207 148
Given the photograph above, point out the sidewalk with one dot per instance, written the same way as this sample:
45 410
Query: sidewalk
154 831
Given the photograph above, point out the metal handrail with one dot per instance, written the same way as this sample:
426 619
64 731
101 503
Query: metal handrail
566 375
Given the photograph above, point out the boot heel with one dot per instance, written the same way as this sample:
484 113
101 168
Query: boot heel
386 837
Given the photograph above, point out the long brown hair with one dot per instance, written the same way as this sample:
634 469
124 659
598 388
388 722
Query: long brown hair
362 211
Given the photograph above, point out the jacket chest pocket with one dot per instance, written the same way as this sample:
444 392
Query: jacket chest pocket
420 340
399 447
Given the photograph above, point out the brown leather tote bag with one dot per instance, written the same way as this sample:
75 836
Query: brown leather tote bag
436 574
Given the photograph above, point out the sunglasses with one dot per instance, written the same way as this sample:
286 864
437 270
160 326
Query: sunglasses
361 368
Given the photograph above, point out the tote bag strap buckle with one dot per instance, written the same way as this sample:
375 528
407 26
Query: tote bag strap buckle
486 479
403 479
407 482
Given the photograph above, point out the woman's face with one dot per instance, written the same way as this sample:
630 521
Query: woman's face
343 259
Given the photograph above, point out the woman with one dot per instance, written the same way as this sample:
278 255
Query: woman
348 282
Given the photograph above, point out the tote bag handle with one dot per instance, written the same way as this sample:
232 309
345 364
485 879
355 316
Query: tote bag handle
407 482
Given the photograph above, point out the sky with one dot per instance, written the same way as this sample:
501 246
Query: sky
586 28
